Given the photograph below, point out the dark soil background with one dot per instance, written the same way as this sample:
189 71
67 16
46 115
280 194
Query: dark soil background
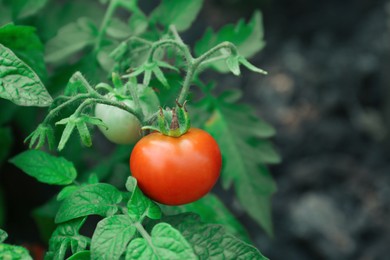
328 95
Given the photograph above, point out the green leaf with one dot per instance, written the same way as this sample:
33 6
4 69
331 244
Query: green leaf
139 206
3 236
235 127
233 65
138 23
66 192
19 83
40 135
250 66
106 62
75 85
84 132
14 252
45 167
26 8
247 37
111 237
212 241
82 255
266 151
67 235
6 140
213 211
178 13
71 39
70 124
94 199
15 38
165 242
118 29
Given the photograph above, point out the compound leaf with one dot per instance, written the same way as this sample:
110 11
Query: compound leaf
244 163
67 235
247 37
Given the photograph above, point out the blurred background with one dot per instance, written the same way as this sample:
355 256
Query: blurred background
328 96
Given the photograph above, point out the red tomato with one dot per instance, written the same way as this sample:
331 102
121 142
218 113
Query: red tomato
176 170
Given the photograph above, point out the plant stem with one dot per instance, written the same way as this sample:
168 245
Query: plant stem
173 30
54 111
182 47
134 95
196 63
103 27
187 83
85 83
223 45
109 103
145 235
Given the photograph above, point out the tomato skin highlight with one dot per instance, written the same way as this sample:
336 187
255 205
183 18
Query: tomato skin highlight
176 170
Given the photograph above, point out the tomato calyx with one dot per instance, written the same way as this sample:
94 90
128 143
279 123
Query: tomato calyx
172 122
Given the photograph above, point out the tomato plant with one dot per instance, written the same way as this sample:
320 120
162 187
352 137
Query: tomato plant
176 170
120 126
129 76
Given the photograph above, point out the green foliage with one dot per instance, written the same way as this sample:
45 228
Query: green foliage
10 251
111 237
25 8
67 236
45 168
212 210
94 56
70 39
164 242
98 199
15 38
244 162
178 13
247 37
19 83
212 241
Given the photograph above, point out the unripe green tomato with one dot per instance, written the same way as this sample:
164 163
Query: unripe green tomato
122 126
